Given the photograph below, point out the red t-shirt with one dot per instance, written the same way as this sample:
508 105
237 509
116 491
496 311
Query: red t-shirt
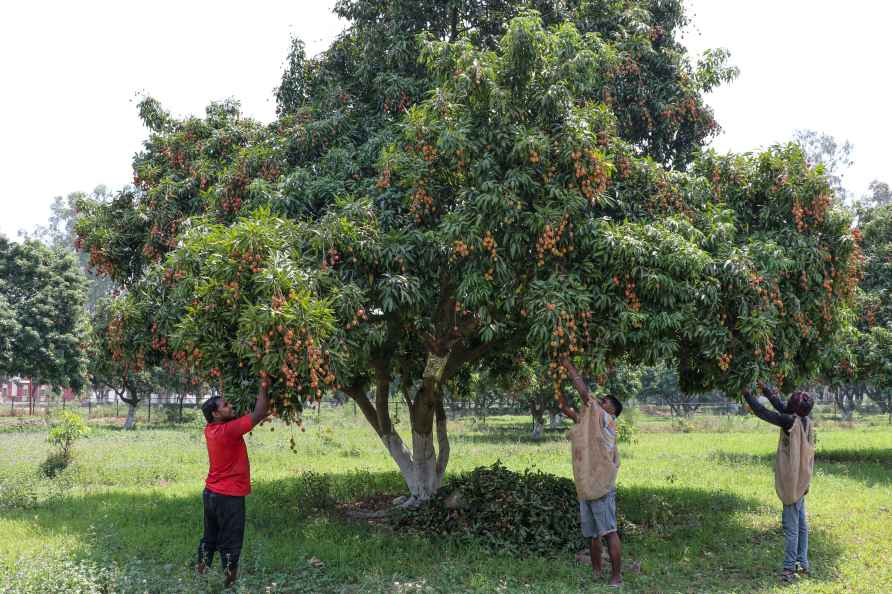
230 473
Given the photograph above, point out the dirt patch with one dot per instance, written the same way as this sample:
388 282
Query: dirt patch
20 424
371 510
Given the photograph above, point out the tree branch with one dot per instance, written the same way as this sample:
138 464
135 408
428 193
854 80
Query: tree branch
442 440
460 357
382 396
576 379
356 391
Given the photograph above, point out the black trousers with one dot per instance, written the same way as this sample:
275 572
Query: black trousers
224 529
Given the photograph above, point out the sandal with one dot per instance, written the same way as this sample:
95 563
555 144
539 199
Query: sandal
788 576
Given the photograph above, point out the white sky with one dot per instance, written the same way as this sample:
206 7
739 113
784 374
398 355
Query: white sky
69 73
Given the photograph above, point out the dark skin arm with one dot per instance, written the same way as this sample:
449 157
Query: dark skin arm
578 383
565 408
781 420
261 405
772 397
580 387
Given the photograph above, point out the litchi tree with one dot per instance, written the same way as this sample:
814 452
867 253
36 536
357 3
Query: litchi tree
500 205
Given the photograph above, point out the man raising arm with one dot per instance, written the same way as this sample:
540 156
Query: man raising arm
228 481
597 516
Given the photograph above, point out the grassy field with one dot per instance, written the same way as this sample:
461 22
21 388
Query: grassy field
126 516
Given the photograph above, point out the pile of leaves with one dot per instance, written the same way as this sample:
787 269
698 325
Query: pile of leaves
528 513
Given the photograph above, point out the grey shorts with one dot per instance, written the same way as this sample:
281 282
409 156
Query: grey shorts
598 516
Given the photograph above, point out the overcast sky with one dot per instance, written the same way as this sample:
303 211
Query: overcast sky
70 72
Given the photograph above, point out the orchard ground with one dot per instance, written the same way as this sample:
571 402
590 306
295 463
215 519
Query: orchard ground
126 515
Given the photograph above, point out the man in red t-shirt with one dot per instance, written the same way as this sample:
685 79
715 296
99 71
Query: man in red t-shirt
228 481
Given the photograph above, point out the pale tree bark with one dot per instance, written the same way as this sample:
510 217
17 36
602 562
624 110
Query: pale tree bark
132 402
130 423
422 467
538 414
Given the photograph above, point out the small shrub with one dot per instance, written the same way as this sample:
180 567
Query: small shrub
682 425
25 488
65 430
314 492
626 430
529 513
172 415
55 463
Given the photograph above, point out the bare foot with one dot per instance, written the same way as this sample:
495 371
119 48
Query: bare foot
201 569
616 581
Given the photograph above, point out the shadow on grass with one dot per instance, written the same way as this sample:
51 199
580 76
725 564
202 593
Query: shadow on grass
508 433
871 466
676 539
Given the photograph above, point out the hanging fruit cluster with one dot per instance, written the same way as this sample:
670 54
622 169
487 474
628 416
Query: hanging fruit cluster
242 311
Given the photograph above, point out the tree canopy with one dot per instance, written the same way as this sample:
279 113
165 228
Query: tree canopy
42 315
425 203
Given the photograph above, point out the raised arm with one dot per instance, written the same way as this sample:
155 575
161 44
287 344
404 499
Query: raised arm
261 405
578 383
772 397
565 408
781 420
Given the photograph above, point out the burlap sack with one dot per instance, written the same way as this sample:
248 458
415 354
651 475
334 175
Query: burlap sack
795 461
593 469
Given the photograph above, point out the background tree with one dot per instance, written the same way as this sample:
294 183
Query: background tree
9 329
43 290
503 211
59 234
835 157
879 194
660 385
863 368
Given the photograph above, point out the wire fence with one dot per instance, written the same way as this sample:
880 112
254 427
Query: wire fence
162 409
154 409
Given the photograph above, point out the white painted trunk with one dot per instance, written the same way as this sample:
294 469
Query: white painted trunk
421 468
538 426
130 423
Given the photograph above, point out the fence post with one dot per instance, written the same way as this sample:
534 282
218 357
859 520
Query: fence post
116 405
150 409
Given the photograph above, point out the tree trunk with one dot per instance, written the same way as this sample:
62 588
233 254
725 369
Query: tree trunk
554 420
130 423
538 415
424 467
538 427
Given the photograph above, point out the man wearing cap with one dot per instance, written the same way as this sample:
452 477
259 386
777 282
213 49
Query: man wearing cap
228 481
793 468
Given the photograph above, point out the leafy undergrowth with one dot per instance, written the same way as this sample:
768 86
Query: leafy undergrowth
522 513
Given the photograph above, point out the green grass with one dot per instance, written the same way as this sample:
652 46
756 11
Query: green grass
126 516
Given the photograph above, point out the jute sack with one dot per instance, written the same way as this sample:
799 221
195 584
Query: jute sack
593 469
795 461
